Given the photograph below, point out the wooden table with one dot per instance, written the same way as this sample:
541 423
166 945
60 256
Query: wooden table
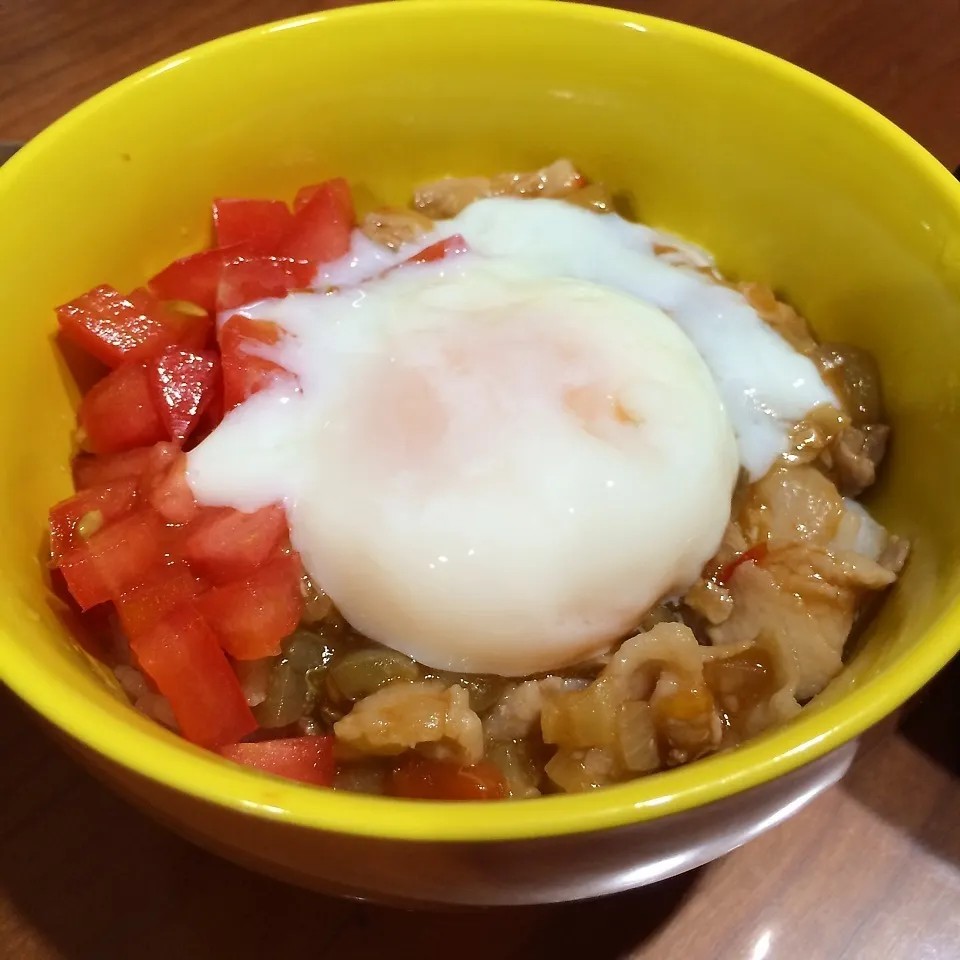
870 870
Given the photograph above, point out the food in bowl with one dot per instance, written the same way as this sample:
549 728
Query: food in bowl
498 495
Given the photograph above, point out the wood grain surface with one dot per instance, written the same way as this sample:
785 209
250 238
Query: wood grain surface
870 870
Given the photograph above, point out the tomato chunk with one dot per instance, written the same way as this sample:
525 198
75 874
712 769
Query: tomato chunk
448 247
94 471
421 778
143 464
305 195
246 279
226 544
183 384
182 657
164 485
258 223
97 507
196 333
142 607
211 416
113 327
118 413
322 222
307 759
252 617
116 558
195 279
245 373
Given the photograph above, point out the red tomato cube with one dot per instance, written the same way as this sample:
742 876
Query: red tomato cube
307 759
116 558
164 485
211 416
323 220
100 505
245 373
95 471
113 327
258 223
196 334
195 279
183 383
182 657
421 778
247 279
305 195
448 247
119 413
142 607
252 617
225 544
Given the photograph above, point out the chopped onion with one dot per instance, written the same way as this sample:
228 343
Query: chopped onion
581 718
638 737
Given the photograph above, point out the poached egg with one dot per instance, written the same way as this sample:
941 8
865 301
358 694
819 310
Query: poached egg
497 463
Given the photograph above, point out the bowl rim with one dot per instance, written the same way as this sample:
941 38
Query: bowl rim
174 763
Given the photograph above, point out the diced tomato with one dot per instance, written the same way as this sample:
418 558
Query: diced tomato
448 247
196 333
305 195
246 279
159 473
211 416
99 505
183 384
754 554
142 607
307 759
93 630
238 327
160 456
95 471
258 223
164 484
252 617
421 778
322 222
119 413
181 655
225 544
113 327
245 373
116 558
195 279
83 368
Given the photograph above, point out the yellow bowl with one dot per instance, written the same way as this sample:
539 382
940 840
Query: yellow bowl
785 178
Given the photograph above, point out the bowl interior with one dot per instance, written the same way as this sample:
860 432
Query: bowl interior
784 178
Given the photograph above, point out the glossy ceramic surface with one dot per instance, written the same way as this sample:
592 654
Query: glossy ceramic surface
785 178
498 873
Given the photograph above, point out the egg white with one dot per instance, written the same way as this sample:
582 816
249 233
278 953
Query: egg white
490 470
